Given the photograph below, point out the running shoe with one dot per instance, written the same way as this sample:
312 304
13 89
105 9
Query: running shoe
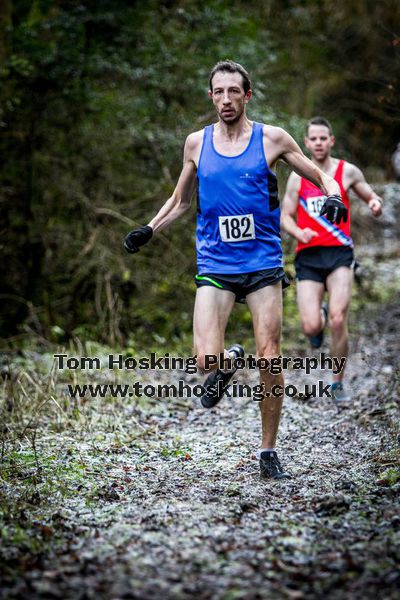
271 467
217 381
317 340
340 394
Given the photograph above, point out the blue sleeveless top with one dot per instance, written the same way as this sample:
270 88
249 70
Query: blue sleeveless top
238 215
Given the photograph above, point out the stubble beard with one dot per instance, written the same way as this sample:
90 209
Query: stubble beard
321 157
231 121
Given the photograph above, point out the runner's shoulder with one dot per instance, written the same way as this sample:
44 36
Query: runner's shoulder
194 139
274 134
193 146
278 139
352 172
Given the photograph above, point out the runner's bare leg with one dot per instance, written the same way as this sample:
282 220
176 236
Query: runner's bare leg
211 313
339 284
266 309
309 299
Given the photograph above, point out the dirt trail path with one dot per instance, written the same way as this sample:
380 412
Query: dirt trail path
182 511
164 499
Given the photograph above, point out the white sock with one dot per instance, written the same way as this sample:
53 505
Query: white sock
258 453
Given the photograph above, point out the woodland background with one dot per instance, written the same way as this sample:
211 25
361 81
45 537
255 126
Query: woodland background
97 98
152 497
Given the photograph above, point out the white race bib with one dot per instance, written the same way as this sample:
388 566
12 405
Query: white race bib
314 205
237 228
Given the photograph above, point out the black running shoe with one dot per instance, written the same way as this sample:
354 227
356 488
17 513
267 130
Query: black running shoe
316 340
217 381
271 467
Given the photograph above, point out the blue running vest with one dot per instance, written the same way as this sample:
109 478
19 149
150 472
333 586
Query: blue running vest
238 215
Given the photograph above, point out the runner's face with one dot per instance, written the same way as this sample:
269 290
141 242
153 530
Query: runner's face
228 96
319 142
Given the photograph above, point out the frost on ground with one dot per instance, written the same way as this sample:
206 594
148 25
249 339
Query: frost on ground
163 499
152 498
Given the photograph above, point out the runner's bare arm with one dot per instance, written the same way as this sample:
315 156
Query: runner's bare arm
292 154
357 182
182 195
289 210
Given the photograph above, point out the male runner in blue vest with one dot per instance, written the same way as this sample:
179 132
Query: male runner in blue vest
239 251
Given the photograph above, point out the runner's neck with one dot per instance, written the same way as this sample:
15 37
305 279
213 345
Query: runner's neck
328 165
234 132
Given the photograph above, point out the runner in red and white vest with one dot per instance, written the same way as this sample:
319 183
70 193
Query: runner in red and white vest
324 253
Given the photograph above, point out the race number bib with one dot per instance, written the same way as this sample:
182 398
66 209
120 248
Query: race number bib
237 228
314 205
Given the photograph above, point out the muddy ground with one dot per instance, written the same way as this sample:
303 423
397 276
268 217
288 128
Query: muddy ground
148 498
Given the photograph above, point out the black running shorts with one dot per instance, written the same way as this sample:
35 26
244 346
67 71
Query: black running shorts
317 263
243 283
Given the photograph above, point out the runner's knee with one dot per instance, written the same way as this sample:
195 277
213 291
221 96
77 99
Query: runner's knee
311 327
269 349
337 320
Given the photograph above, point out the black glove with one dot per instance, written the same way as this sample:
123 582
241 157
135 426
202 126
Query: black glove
335 210
137 237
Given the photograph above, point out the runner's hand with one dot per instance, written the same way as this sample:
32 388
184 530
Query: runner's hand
335 210
137 237
307 235
375 205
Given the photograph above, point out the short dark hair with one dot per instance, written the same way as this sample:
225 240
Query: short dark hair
228 66
319 121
